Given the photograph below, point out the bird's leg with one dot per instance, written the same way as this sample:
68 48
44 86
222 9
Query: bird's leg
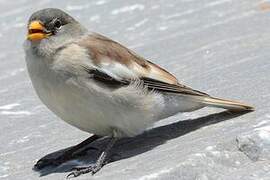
65 156
101 161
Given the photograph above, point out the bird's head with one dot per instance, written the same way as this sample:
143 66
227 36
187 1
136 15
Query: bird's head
49 23
50 29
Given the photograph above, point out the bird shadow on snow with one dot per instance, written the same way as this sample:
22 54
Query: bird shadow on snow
128 147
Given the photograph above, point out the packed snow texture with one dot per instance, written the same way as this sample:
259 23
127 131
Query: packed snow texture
217 46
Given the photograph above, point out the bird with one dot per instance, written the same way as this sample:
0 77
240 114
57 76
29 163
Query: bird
100 86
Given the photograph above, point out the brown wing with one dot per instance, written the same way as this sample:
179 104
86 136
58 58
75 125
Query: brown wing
104 50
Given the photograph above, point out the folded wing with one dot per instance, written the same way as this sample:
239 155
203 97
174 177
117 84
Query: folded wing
118 66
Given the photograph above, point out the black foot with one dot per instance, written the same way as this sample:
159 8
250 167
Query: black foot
77 171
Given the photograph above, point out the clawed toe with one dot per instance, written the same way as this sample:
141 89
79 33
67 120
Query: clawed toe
73 175
79 170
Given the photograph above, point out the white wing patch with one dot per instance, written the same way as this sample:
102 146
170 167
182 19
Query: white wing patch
116 70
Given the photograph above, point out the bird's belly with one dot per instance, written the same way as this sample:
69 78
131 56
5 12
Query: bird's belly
71 106
101 113
106 113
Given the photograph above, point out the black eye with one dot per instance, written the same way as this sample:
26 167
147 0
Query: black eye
57 24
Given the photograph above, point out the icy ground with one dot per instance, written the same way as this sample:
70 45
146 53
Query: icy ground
218 46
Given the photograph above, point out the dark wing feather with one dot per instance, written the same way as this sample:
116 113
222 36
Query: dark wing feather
170 88
105 79
150 84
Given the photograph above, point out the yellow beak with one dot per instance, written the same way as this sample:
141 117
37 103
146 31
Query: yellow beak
36 31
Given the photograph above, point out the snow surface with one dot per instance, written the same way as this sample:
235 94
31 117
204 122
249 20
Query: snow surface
217 46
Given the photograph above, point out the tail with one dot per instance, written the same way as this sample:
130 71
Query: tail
226 104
